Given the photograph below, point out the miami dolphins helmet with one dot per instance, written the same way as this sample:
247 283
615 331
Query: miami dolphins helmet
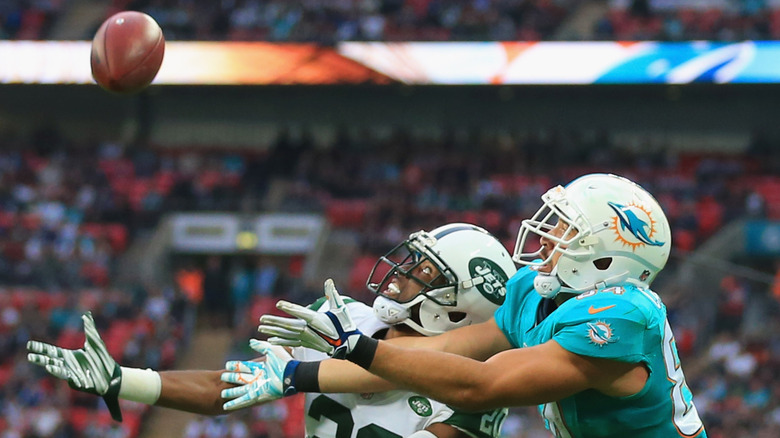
615 233
473 268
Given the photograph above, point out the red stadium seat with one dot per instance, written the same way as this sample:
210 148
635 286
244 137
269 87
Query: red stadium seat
769 189
361 268
346 213
71 338
6 371
79 417
117 236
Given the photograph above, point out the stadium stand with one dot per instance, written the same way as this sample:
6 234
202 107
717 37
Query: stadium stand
66 220
717 20
414 20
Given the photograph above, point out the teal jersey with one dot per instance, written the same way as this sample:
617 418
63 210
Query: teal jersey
625 323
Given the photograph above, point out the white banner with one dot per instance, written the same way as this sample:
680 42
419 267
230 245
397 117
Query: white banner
276 233
288 233
204 232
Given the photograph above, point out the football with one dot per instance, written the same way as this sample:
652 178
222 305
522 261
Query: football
127 52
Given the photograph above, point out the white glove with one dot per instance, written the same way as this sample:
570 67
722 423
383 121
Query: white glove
332 332
260 381
90 369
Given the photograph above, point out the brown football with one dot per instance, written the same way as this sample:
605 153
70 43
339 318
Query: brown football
127 52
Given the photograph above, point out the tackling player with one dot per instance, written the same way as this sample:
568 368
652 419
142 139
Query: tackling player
432 282
592 347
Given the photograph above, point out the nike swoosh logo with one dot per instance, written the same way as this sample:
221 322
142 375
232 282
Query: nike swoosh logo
331 341
593 310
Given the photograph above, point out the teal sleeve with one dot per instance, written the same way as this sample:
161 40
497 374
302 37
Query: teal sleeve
508 316
609 329
504 324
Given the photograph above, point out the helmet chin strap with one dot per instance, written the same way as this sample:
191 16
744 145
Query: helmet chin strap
547 285
389 311
392 312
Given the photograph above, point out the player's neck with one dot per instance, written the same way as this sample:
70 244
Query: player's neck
562 298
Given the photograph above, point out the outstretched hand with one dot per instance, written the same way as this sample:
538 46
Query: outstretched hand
90 369
259 381
332 332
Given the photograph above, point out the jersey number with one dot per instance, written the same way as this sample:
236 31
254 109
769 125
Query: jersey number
684 415
491 423
325 407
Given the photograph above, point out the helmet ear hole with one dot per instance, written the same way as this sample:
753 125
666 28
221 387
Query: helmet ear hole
457 316
602 264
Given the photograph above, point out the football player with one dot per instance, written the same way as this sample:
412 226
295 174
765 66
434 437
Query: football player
591 347
435 281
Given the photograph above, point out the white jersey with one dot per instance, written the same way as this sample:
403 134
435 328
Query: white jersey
382 415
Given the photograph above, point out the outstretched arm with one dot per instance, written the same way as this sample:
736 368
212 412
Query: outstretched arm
193 391
518 377
333 332
479 341
91 369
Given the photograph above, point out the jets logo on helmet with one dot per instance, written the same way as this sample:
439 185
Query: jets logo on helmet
493 279
634 225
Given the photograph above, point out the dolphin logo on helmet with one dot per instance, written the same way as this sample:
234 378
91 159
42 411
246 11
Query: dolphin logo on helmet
630 221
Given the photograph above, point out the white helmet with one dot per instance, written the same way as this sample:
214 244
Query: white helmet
473 270
617 234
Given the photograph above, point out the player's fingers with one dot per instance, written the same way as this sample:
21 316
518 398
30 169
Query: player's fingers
238 366
333 295
259 346
293 324
87 319
91 334
239 378
43 360
58 371
44 348
95 345
231 393
274 353
271 330
238 403
295 310
284 342
256 394
92 342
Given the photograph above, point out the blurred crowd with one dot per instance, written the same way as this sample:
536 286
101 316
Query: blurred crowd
29 19
681 20
68 214
330 21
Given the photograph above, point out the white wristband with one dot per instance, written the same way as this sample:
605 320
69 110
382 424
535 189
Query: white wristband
140 385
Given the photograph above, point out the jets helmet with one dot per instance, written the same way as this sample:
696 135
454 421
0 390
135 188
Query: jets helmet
473 268
615 233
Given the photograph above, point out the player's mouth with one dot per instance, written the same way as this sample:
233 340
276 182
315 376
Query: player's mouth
545 267
392 291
